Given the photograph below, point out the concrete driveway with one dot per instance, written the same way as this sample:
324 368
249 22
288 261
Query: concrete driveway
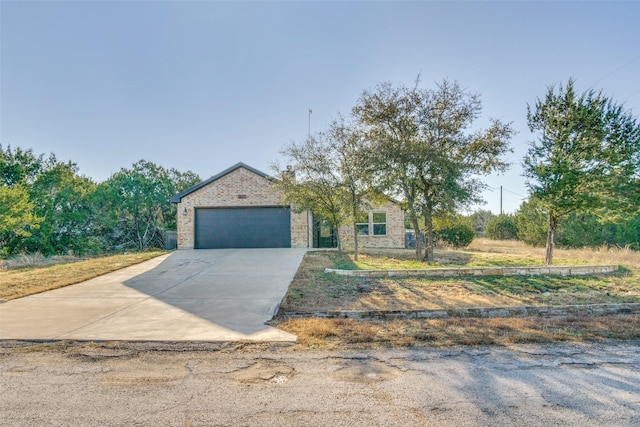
203 295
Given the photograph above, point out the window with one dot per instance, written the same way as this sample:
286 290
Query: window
379 223
363 224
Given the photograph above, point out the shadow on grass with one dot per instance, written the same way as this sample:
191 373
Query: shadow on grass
342 262
398 259
314 290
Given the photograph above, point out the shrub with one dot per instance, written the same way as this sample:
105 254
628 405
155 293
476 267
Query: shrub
531 223
457 234
502 227
480 219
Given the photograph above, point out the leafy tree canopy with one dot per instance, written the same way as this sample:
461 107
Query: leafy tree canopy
425 151
586 156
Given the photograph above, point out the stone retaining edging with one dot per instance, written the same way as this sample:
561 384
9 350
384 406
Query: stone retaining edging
586 310
562 270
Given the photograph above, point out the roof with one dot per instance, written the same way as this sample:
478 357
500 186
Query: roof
178 197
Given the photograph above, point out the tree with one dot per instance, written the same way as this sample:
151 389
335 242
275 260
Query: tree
353 163
17 218
63 199
480 219
424 151
502 227
578 230
585 158
530 219
18 166
135 207
313 181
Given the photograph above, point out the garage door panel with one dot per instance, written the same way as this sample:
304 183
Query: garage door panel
265 227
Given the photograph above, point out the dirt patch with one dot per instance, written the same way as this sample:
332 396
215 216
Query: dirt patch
264 371
145 370
366 371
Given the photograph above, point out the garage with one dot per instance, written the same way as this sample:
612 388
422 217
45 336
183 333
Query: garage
238 208
242 227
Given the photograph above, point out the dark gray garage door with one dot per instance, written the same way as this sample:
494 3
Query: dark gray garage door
265 227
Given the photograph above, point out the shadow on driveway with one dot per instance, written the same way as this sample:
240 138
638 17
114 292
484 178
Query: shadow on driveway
203 295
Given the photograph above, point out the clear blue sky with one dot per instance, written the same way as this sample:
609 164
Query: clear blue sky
202 85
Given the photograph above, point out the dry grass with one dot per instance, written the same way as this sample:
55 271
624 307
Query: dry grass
486 253
343 333
312 290
37 260
20 282
602 255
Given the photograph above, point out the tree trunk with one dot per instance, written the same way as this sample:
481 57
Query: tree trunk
551 231
354 212
355 241
428 250
418 235
335 225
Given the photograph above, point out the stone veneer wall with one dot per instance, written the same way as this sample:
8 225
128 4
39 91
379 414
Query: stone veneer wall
562 270
395 230
240 188
586 310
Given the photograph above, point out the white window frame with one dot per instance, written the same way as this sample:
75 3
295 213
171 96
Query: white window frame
373 224
360 224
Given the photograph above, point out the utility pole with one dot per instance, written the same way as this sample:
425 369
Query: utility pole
501 200
309 127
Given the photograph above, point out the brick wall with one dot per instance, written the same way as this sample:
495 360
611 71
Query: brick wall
395 230
238 188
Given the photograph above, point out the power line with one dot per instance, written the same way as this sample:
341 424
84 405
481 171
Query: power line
508 191
616 70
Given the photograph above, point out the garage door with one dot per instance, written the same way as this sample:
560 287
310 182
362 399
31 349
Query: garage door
265 227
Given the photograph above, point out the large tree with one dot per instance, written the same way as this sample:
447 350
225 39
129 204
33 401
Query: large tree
586 156
63 199
425 151
312 181
135 206
355 168
17 218
330 174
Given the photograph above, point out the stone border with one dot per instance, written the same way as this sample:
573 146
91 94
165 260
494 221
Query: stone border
561 270
586 310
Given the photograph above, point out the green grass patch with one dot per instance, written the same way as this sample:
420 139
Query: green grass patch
405 259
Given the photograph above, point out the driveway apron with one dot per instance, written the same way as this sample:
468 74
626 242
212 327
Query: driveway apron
188 295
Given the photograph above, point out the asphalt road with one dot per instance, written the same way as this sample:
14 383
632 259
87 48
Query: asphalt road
192 385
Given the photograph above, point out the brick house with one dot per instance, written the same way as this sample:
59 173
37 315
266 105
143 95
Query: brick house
239 208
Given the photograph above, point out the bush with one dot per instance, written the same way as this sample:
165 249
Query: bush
480 219
502 227
456 235
531 223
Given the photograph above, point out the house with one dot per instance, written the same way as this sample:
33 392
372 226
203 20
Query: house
239 208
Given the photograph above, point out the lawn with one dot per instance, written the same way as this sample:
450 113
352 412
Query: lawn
19 282
315 291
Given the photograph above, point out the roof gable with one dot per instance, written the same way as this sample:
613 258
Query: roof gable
178 197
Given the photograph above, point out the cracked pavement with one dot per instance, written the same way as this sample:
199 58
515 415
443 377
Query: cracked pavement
206 384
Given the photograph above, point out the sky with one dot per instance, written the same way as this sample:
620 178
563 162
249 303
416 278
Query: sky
202 85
